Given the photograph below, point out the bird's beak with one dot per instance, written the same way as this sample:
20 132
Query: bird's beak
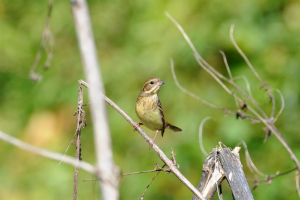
160 82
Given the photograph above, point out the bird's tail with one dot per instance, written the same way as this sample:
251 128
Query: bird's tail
172 127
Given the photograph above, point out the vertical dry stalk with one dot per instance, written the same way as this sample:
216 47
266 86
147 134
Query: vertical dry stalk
109 184
77 156
80 123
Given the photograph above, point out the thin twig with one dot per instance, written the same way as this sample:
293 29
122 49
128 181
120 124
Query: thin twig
173 158
72 142
148 171
47 39
282 105
200 135
48 154
142 197
247 84
271 96
297 183
250 163
230 75
269 178
198 57
244 56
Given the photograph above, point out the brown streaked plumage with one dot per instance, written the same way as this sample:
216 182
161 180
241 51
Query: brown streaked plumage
148 108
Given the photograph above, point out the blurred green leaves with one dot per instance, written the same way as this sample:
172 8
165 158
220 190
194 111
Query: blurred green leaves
135 41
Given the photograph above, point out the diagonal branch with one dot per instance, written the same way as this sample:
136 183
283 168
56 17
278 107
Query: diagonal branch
170 164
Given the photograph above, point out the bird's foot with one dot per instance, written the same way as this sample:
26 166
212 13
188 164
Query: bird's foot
136 125
151 142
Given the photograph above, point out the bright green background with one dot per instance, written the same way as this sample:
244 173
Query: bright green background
135 41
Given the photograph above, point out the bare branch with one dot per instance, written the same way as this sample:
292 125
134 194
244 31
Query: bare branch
271 96
244 56
247 84
264 118
142 197
144 172
282 105
230 75
226 64
48 154
250 163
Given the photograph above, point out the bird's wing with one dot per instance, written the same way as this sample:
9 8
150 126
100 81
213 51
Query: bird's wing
162 117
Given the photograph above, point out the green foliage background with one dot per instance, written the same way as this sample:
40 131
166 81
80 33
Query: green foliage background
135 41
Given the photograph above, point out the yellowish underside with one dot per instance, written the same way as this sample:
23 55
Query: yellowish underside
149 115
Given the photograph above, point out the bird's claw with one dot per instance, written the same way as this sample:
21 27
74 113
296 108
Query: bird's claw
136 125
151 142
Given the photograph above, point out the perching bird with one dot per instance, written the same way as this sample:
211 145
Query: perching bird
148 109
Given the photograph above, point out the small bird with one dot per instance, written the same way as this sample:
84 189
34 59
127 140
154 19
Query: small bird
148 109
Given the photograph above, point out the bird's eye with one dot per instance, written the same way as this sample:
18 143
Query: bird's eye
151 82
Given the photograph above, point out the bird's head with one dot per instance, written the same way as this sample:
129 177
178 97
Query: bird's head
152 85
